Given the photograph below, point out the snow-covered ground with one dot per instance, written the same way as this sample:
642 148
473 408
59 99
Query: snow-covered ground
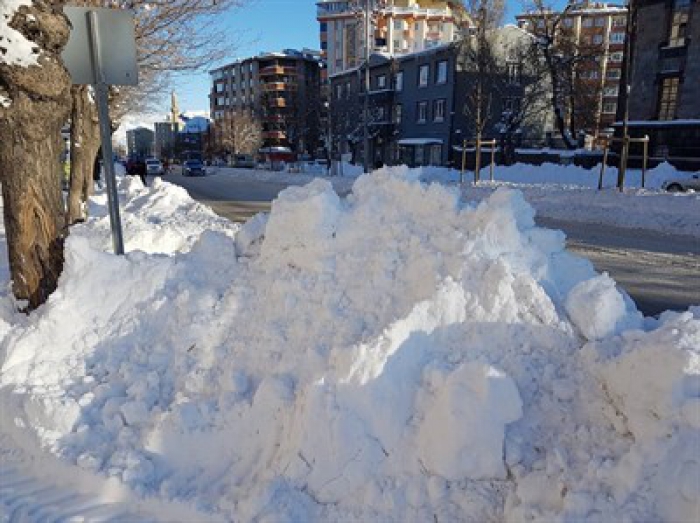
560 192
395 355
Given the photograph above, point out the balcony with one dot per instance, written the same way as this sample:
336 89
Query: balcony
272 70
274 135
270 87
277 102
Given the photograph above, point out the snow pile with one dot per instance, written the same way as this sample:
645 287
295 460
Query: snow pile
390 356
17 50
159 219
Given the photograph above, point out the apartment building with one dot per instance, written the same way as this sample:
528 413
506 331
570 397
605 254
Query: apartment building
419 105
595 28
398 27
139 142
665 75
664 101
281 89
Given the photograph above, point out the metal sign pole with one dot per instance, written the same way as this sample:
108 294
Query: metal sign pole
105 133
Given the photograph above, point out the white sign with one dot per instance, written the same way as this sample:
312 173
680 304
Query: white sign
116 45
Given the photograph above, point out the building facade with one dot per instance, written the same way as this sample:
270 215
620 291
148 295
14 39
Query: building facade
140 142
399 27
665 65
165 139
419 105
281 89
664 100
599 29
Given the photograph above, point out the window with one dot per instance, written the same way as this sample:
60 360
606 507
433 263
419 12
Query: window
398 113
513 69
617 38
324 27
600 22
399 81
439 110
609 107
423 74
219 88
613 74
619 21
381 113
398 25
587 22
679 27
668 98
348 89
422 112
591 75
417 27
381 81
568 22
338 91
397 45
610 91
441 73
616 57
598 39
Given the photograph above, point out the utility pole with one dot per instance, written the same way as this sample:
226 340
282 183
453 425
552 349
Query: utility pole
367 19
627 72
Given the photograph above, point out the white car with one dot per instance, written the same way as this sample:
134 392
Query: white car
154 167
682 184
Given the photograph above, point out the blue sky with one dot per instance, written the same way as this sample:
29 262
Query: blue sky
270 25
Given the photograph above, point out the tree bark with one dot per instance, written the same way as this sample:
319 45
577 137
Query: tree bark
85 142
30 147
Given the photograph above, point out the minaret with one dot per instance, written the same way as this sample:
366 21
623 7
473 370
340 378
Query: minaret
174 112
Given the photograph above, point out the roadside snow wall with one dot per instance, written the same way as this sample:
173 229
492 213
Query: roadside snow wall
390 356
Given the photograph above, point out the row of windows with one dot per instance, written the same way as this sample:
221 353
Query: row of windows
439 110
594 74
380 82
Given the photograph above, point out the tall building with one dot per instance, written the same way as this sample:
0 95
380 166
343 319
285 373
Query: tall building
165 139
664 101
399 27
665 65
139 142
281 89
594 27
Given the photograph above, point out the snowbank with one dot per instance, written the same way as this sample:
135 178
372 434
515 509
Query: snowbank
566 193
390 356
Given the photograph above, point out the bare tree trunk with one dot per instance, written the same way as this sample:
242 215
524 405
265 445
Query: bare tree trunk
30 148
85 142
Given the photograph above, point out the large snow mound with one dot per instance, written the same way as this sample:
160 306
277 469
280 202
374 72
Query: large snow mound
392 356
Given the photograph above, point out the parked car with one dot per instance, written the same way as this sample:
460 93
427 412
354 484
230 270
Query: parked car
154 167
244 161
193 168
682 184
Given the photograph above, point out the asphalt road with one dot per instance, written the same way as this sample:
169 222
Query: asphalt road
659 271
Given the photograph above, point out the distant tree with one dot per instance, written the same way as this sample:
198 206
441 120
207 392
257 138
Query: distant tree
34 105
237 132
570 63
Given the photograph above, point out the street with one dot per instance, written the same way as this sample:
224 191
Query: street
659 271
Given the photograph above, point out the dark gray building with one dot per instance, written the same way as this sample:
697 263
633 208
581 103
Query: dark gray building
419 105
139 142
165 139
666 63
664 101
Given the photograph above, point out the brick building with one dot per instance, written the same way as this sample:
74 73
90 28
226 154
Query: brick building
599 27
